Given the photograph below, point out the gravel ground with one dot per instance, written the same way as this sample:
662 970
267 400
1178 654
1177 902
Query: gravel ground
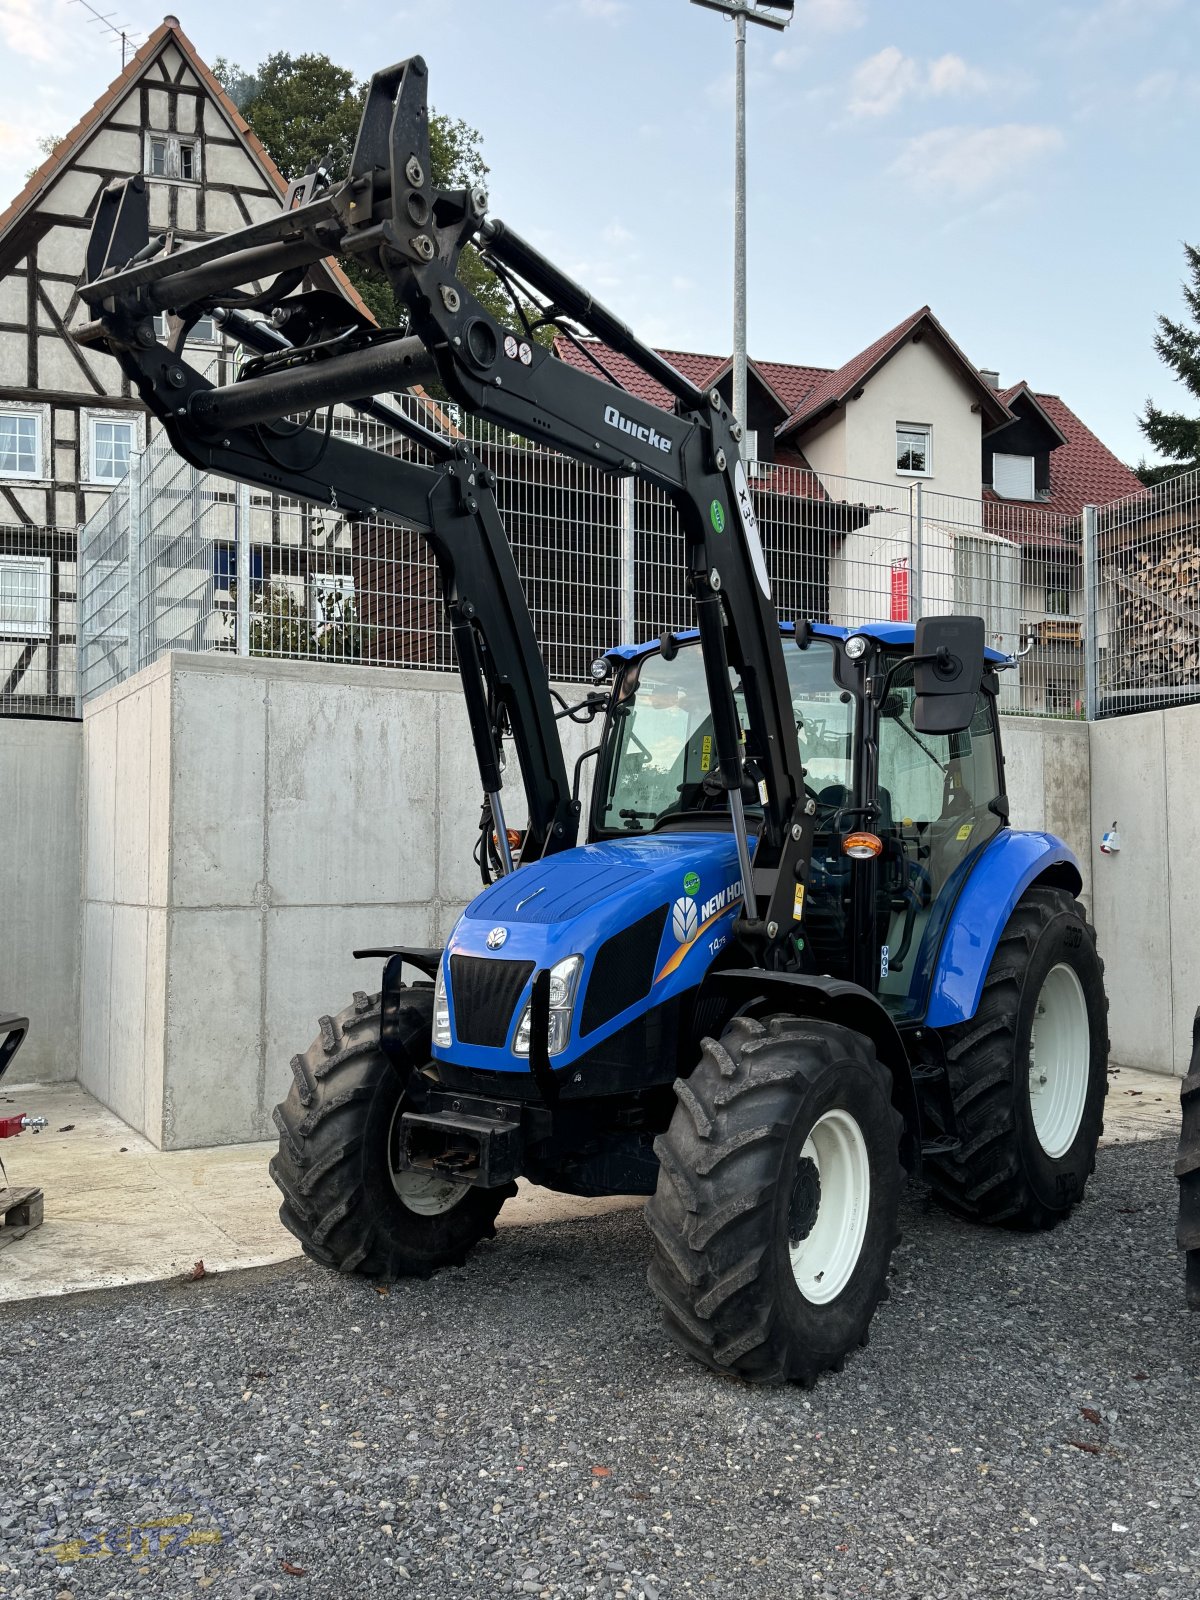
1026 1421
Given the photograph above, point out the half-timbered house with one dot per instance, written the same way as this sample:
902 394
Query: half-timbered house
68 421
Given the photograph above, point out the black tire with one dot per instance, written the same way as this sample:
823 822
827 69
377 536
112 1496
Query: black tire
1000 1173
731 1183
334 1168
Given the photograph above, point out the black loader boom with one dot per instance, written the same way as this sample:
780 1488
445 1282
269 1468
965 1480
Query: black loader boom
389 215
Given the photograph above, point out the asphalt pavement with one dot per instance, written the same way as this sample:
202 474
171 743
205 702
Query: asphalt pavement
1025 1421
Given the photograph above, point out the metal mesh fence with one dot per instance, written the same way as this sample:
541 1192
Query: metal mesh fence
38 605
181 560
1145 591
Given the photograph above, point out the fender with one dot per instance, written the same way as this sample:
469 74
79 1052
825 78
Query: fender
1003 870
850 1005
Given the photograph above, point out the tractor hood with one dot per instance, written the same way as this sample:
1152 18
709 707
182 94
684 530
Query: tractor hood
646 915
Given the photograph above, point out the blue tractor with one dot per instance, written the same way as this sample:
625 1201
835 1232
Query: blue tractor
800 950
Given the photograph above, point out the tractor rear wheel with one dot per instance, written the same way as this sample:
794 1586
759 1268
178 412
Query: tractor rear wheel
774 1218
1028 1073
344 1195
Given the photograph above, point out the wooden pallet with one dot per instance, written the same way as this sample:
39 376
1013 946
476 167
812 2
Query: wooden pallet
20 1212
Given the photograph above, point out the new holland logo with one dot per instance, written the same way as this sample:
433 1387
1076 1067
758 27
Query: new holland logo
496 938
685 919
637 430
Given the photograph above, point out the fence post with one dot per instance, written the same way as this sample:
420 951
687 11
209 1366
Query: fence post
918 521
628 561
133 556
241 533
1091 641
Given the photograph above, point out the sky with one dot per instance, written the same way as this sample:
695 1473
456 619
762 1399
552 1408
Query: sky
1024 167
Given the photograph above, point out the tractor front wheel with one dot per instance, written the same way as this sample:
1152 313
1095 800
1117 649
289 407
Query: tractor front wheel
345 1197
774 1218
1028 1073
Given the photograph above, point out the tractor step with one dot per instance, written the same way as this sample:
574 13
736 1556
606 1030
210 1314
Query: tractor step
21 1211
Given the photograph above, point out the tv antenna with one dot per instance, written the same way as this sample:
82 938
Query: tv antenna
109 25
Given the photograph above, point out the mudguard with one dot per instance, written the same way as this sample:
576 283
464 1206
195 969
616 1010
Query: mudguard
1001 873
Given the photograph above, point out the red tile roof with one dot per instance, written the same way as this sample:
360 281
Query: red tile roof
839 386
787 381
1083 471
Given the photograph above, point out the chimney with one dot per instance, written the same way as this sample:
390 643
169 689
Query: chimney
992 379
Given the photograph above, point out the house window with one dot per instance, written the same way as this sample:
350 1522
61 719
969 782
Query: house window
1058 596
170 157
20 444
1012 477
112 441
225 570
914 448
332 600
202 331
24 597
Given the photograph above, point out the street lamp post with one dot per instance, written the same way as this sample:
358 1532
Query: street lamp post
772 14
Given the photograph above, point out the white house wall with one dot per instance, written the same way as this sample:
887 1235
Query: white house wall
918 384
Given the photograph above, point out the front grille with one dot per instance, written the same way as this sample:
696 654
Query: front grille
623 971
486 992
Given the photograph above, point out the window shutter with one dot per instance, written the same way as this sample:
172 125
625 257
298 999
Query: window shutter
1012 477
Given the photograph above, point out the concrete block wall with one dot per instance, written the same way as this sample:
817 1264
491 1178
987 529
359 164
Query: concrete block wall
250 823
1146 779
40 835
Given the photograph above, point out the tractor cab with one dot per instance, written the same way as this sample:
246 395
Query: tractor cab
900 814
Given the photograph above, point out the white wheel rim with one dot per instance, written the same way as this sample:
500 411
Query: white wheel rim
427 1194
823 1261
1060 1052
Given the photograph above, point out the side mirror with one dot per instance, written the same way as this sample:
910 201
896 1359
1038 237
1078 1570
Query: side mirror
948 652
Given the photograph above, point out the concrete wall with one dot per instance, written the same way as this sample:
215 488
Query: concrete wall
249 823
1145 778
39 892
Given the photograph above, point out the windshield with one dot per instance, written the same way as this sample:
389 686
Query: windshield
662 756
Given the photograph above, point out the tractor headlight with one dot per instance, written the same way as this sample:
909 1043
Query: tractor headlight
564 979
441 1009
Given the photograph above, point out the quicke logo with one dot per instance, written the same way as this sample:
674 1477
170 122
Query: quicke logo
638 430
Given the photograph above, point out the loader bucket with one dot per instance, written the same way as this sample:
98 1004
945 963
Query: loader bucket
12 1031
1187 1170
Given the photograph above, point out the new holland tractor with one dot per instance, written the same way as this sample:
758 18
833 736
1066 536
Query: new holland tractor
799 950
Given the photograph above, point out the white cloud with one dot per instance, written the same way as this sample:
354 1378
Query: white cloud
883 80
950 74
963 161
616 233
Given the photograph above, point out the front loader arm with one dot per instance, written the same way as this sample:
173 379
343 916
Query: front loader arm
389 215
452 505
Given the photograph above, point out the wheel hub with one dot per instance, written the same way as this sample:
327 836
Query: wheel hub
806 1202
830 1203
1059 1061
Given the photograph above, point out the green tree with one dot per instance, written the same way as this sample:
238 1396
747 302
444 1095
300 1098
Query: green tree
306 108
1170 432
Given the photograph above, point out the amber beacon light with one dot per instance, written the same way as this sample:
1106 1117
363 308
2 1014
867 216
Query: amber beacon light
862 846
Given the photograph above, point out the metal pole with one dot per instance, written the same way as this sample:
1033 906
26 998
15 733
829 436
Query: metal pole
739 222
918 541
241 526
133 550
628 600
1091 609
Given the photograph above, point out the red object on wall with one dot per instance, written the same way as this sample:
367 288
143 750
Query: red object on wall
900 589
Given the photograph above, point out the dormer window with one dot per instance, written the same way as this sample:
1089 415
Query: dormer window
1012 477
172 158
